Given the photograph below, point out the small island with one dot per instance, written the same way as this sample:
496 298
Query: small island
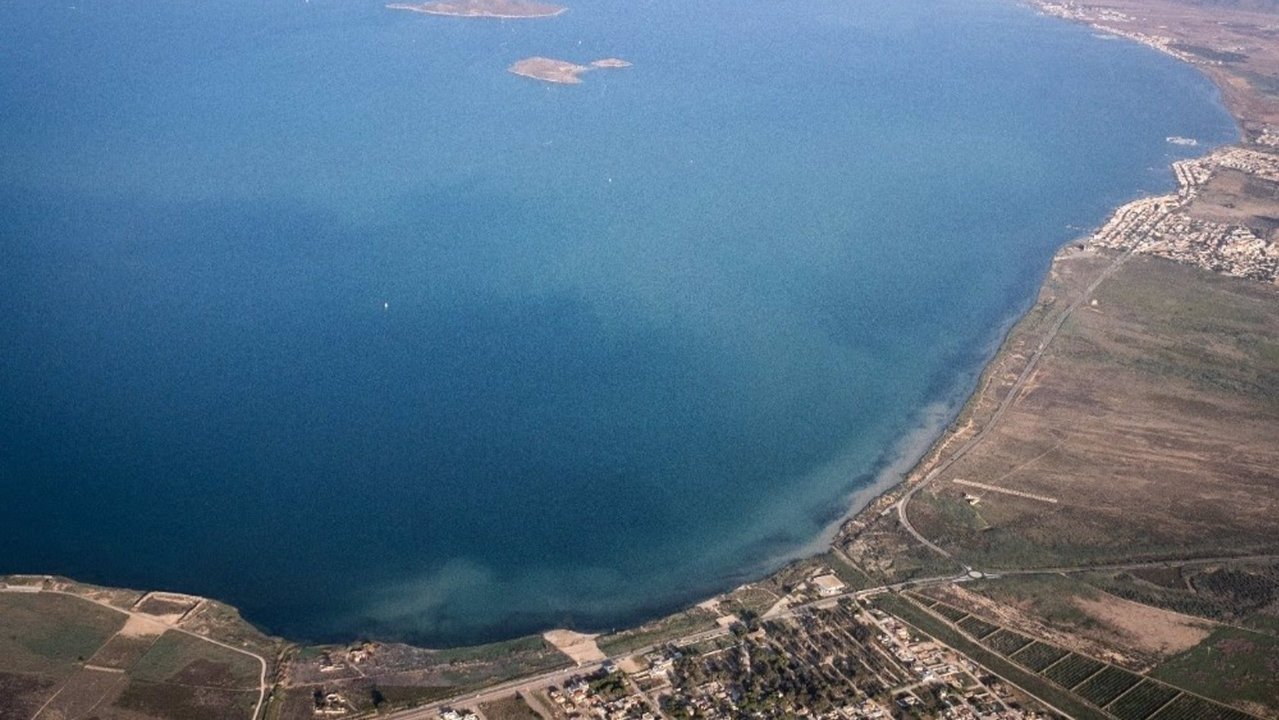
561 71
483 8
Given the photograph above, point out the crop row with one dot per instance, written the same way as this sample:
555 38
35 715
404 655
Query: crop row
1039 655
1105 686
1190 707
1142 701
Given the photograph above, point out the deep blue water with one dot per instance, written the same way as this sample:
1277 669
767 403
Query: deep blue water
313 308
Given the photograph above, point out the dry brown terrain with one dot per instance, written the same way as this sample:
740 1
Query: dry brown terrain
578 646
1152 418
1235 197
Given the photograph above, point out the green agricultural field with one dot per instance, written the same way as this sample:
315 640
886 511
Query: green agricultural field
162 700
50 634
1072 670
1142 701
1105 686
1230 665
122 651
1006 642
1190 707
178 658
950 612
1038 656
977 627
181 676
667 628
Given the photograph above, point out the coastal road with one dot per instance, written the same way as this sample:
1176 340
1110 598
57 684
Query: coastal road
542 681
1004 404
545 680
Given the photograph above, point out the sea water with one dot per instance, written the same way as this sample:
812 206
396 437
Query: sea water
314 308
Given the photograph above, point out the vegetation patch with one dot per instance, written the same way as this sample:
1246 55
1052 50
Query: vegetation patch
950 612
1142 701
1006 642
1225 56
749 597
1105 686
122 652
1039 655
22 695
50 634
512 708
166 700
179 658
1190 707
977 627
1246 593
665 629
1073 670
1230 665
494 651
380 696
852 576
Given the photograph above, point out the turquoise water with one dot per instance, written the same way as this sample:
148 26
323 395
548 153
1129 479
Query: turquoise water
313 308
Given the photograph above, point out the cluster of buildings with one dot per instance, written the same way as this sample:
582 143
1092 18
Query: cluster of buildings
1165 227
1106 19
968 694
1258 164
864 665
606 695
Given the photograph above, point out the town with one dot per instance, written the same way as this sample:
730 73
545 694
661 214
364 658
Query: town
1187 226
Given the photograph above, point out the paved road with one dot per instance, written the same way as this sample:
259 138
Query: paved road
544 680
1004 404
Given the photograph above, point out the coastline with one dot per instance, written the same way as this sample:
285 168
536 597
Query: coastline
924 438
921 449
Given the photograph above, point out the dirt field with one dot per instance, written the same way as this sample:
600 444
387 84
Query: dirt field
1159 632
1151 417
581 648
